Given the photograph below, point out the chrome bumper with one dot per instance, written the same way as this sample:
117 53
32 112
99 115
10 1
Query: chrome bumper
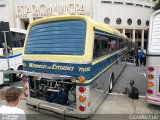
49 108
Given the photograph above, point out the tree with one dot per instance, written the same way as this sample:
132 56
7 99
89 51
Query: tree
157 6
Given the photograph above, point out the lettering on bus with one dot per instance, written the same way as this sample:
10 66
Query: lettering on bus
66 68
84 69
32 65
53 67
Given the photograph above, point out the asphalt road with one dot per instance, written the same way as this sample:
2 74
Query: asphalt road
131 72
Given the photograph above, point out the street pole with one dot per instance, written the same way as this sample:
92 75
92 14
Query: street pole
6 47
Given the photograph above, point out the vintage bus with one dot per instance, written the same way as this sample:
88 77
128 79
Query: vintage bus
72 63
153 58
16 40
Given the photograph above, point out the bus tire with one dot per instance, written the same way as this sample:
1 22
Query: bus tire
19 76
111 83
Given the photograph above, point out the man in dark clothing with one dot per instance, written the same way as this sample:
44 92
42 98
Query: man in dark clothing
131 91
137 59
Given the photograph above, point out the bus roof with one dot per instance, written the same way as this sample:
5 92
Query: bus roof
18 30
101 26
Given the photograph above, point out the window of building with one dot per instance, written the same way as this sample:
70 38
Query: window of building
147 6
147 23
129 4
128 35
106 20
145 35
139 22
154 8
139 35
139 5
118 3
106 2
2 5
129 21
118 20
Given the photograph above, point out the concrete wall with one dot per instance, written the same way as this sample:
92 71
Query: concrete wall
123 11
6 11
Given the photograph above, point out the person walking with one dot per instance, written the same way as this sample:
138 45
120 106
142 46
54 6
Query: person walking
141 57
10 111
137 59
144 61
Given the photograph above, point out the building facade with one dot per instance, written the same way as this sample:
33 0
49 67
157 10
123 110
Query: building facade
131 17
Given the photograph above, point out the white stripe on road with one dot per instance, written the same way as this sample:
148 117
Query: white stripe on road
115 93
143 74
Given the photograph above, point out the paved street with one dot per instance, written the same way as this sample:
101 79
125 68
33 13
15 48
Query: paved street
131 72
116 106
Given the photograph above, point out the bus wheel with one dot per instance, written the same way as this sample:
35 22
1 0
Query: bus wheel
19 76
111 84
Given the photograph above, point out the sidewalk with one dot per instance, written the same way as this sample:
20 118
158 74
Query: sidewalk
120 107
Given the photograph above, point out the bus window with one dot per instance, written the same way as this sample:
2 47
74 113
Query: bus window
100 45
113 44
120 43
17 39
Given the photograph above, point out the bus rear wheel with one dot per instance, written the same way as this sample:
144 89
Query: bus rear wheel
111 84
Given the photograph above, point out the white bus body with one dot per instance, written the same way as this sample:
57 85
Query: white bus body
15 59
153 60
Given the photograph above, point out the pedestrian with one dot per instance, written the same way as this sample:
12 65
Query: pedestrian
10 111
137 59
144 60
141 56
131 91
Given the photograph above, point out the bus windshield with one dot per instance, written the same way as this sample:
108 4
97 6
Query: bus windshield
65 37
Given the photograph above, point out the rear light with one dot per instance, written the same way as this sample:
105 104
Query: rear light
82 98
150 76
25 88
82 108
24 79
81 89
149 91
25 95
150 84
81 79
151 69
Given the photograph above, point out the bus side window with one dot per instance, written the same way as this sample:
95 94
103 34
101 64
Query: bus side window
113 44
120 43
96 49
100 45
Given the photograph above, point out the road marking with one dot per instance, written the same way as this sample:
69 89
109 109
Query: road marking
143 74
121 94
